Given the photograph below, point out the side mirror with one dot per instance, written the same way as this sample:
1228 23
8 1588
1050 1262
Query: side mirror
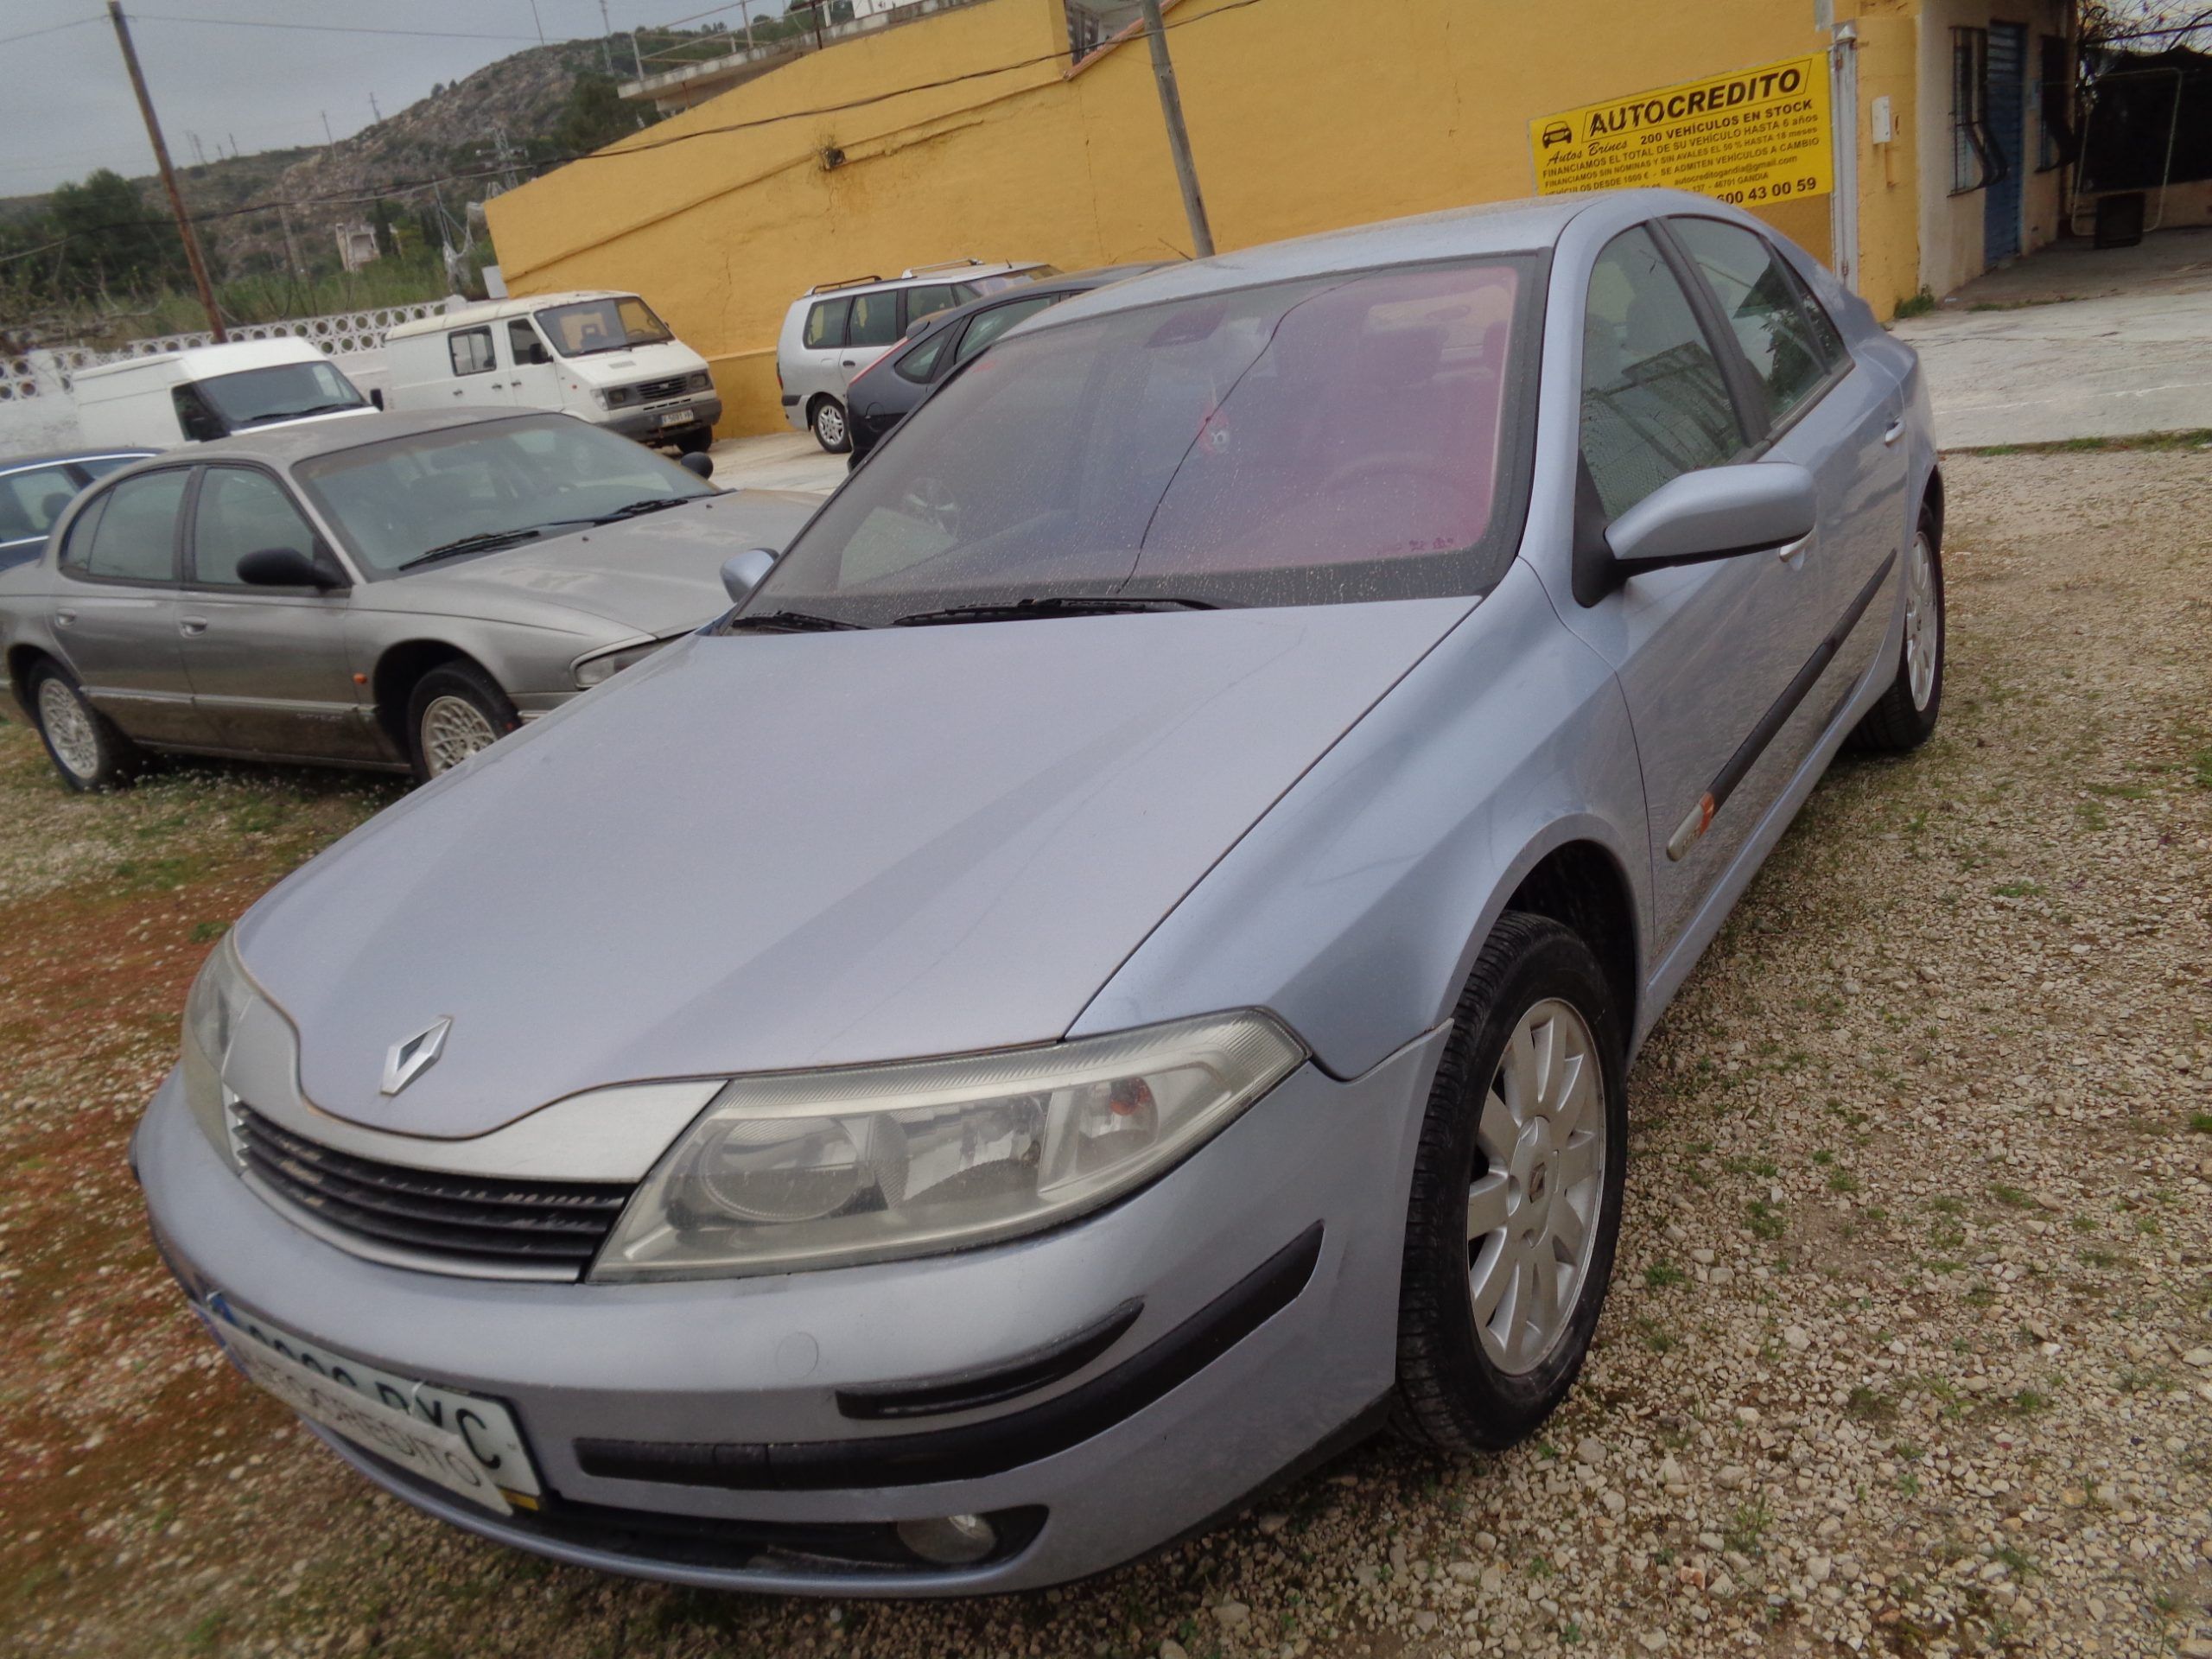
743 572
917 324
376 395
285 567
697 462
1718 513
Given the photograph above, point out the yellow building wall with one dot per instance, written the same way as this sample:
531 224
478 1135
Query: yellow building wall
1304 116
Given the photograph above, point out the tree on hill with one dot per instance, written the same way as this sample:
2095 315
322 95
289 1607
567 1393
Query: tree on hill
594 117
114 240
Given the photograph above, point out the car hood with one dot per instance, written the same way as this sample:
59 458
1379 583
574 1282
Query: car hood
765 852
659 574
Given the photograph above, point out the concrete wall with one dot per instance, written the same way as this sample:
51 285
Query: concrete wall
1306 115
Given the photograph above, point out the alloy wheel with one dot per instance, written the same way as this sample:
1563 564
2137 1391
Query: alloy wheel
1532 1209
69 729
830 425
453 730
1924 621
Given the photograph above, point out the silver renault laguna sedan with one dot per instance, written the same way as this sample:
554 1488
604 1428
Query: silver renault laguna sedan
1110 973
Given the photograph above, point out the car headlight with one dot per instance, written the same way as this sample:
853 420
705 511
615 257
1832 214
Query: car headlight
592 671
826 1168
217 1002
615 397
699 380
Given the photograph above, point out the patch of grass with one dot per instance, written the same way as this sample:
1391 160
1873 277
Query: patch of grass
2200 768
2201 1121
2012 1196
208 932
1765 1220
1842 1180
2195 438
2029 1400
1660 1275
1916 305
1745 1531
1870 1406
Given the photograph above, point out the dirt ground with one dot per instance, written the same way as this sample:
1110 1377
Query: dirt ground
1910 1352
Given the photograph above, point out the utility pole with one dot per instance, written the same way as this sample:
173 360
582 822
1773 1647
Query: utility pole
1179 136
605 35
373 111
191 255
540 22
326 138
291 254
196 150
636 59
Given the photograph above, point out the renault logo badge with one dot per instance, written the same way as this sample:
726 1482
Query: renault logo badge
411 1059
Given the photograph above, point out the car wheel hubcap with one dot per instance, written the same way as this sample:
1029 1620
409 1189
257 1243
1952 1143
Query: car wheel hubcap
453 730
1532 1206
1924 623
830 423
69 729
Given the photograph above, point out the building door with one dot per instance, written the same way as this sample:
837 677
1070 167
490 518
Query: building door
2007 107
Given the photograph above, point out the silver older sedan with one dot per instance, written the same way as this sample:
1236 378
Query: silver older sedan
390 591
1113 972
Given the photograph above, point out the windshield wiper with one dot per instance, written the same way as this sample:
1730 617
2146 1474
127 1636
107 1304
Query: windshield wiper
651 504
789 622
302 414
481 542
1051 605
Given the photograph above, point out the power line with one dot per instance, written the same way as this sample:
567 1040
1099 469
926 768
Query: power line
51 28
325 28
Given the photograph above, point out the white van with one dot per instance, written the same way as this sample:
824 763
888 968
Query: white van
603 357
209 392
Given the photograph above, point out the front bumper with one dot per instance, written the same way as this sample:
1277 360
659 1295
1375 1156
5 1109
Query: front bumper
650 425
610 1383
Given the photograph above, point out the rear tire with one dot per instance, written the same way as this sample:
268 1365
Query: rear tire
1905 717
832 428
90 753
1516 1194
455 711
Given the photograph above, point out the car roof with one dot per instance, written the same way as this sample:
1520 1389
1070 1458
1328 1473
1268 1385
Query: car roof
1069 282
1498 227
514 305
56 457
305 440
956 271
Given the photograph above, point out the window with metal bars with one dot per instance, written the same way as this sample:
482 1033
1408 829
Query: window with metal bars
1971 168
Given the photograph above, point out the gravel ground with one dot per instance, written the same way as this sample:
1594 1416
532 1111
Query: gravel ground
1911 1350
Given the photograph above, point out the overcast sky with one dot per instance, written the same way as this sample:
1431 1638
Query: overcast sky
67 107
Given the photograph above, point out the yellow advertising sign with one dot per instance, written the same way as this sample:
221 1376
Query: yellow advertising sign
1753 138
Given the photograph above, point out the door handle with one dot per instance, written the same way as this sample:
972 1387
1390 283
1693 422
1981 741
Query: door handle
64 618
458 391
192 627
1896 431
852 362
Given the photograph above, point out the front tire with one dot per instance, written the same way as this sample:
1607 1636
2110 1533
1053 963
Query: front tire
695 443
91 754
456 710
1905 717
832 428
1516 1194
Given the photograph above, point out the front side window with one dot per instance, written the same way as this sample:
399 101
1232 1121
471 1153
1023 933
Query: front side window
983 330
136 537
920 364
1761 304
612 325
1322 441
471 489
875 319
31 500
1655 403
471 351
825 325
242 511
930 299
522 344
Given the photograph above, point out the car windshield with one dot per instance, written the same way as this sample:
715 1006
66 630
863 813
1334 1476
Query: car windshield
478 486
1313 443
592 325
282 392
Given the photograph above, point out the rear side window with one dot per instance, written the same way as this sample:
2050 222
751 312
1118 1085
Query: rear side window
930 299
875 319
241 512
920 364
471 351
825 324
136 537
1763 311
1654 403
101 466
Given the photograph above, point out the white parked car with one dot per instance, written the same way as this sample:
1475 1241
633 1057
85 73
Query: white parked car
835 330
603 357
209 392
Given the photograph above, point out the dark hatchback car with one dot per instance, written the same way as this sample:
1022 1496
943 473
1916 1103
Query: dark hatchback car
33 490
892 387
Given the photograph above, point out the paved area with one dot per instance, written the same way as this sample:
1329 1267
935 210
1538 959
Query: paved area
2074 343
1909 1354
778 460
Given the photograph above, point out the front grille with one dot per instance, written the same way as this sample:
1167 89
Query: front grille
650 389
549 1228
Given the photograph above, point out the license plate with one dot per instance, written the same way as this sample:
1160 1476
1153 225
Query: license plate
463 1442
676 417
